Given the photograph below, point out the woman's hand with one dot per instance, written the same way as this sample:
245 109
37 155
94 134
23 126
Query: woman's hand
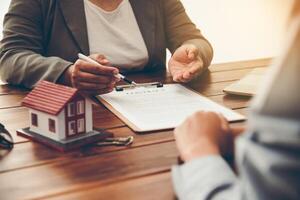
92 79
202 134
186 63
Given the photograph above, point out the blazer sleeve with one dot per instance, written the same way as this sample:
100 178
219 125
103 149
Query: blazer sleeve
22 50
180 29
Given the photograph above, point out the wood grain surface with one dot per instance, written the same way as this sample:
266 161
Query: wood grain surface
33 171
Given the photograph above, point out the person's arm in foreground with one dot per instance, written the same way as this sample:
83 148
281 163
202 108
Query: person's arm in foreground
268 161
191 52
201 140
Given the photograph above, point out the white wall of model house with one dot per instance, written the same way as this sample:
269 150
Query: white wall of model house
60 123
42 127
88 115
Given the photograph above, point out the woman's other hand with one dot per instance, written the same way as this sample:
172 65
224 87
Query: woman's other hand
202 134
186 63
92 79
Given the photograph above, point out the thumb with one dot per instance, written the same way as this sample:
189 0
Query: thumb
100 59
192 52
104 62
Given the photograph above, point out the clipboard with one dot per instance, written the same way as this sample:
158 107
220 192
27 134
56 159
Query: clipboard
121 88
154 106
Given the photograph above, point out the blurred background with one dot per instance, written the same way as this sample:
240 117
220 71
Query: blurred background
238 29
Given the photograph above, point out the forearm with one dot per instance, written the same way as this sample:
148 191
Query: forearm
26 68
181 30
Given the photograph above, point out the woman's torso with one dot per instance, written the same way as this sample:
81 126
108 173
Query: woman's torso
65 31
116 35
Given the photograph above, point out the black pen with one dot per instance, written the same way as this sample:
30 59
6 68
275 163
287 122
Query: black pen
90 60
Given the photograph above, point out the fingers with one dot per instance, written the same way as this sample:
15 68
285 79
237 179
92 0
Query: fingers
184 77
194 70
100 59
198 135
187 76
196 67
177 77
95 69
192 52
91 78
180 78
190 74
82 76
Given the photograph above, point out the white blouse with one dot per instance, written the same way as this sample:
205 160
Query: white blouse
116 35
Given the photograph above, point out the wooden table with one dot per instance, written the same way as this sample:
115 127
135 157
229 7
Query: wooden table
141 171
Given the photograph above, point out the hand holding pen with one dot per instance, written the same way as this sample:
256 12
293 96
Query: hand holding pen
118 75
92 77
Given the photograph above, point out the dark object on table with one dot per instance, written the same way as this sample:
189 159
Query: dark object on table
6 140
122 141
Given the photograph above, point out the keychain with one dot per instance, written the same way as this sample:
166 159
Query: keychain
121 141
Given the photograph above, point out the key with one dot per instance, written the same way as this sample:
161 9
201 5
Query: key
122 141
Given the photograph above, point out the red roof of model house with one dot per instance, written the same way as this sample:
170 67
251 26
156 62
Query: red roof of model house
49 97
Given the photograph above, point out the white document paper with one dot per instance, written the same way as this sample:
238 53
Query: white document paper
152 108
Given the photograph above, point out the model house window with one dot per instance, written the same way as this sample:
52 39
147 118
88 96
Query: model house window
71 127
34 119
71 109
51 123
80 125
80 107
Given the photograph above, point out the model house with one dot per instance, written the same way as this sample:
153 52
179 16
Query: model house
58 112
